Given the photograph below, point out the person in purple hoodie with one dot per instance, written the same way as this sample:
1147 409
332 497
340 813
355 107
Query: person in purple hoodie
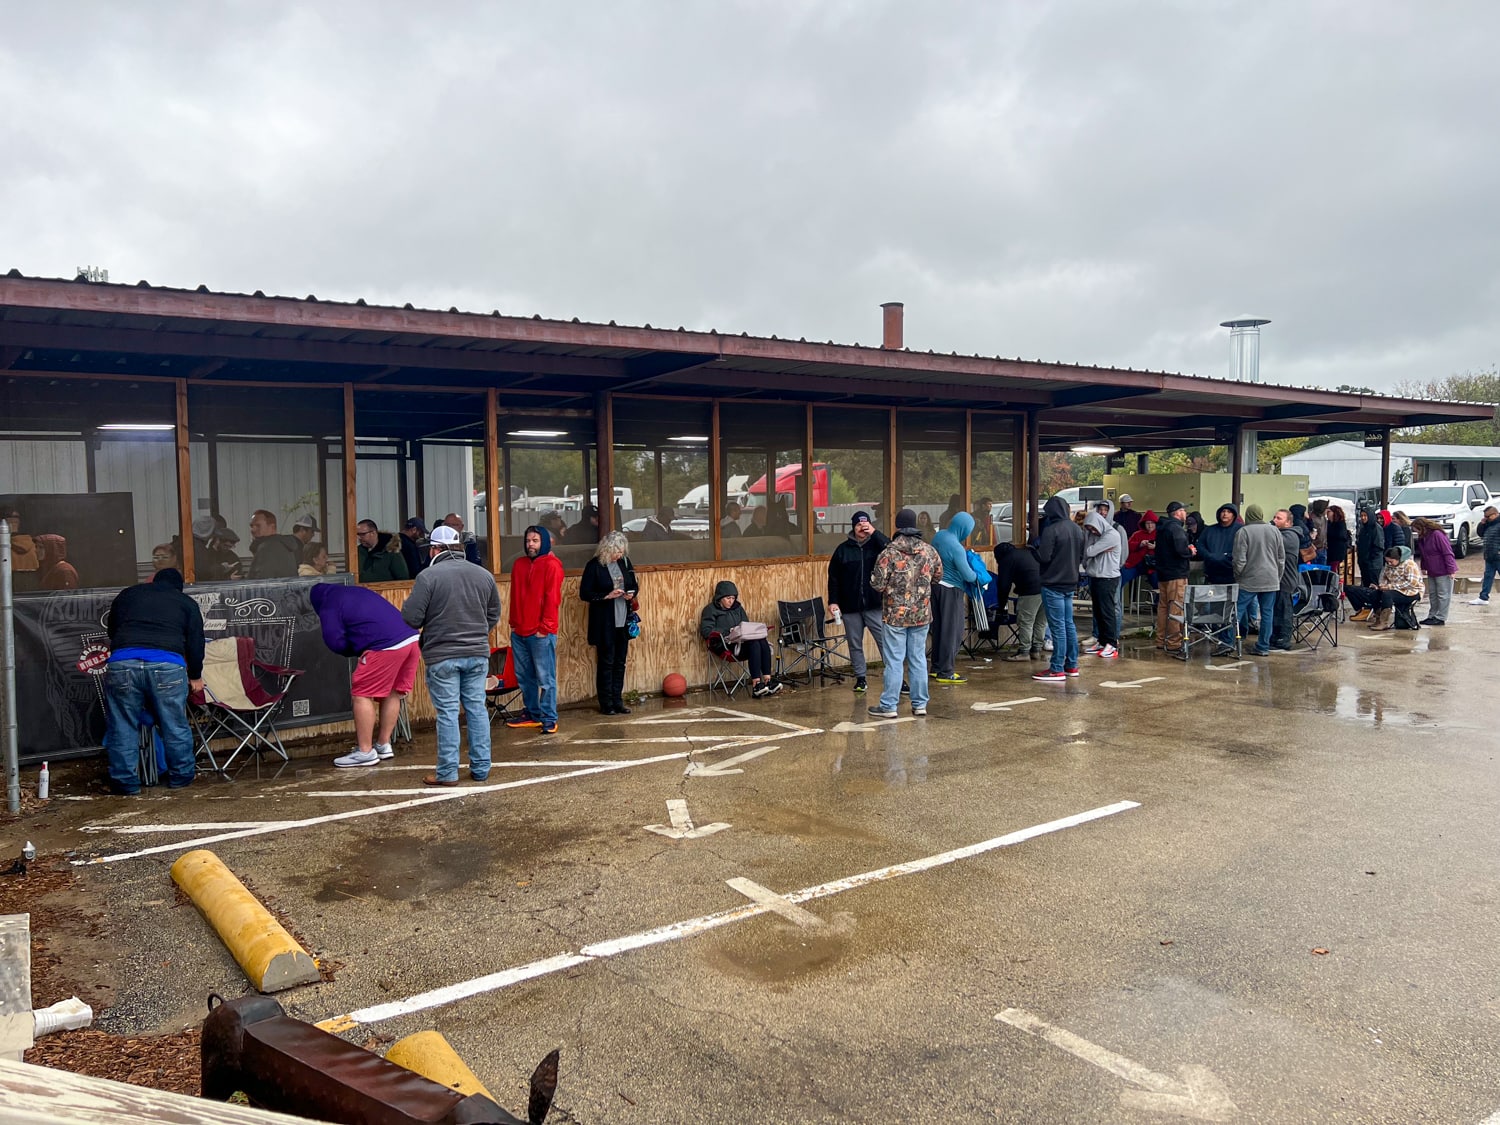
360 623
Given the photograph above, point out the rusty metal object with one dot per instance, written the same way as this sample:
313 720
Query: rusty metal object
284 1064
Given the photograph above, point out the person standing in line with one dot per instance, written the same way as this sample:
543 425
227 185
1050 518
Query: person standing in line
1102 555
1435 554
379 557
272 554
1369 546
1291 579
1259 556
414 546
950 599
849 570
536 580
1317 526
156 657
1489 533
1016 570
1059 551
904 573
729 523
608 586
1174 557
1127 517
455 605
1338 538
359 623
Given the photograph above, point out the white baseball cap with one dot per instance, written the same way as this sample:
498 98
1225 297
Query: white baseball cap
1127 499
443 536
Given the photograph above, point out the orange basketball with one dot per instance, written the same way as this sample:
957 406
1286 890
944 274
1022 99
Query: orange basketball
674 685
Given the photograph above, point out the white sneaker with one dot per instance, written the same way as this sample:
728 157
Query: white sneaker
384 750
1479 601
1047 646
357 757
1108 652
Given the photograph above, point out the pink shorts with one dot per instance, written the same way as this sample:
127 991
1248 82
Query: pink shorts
380 673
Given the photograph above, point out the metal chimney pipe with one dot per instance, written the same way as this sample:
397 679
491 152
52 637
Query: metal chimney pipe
1244 343
895 326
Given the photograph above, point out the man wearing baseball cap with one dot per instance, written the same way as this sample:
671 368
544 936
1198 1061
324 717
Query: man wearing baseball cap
1127 517
455 605
414 546
305 529
905 573
849 590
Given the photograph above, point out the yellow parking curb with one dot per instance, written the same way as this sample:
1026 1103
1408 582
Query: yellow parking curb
427 1053
268 954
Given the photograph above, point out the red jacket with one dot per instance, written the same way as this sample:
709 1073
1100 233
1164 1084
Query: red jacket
536 591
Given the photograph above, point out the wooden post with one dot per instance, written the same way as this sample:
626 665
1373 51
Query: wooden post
351 497
1385 468
604 431
1019 475
184 485
492 476
716 483
893 478
809 514
1237 470
1034 471
966 464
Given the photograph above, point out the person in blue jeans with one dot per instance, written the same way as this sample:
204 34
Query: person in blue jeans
455 604
1059 550
536 580
156 655
1489 533
904 574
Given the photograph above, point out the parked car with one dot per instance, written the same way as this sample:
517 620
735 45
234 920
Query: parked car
1456 506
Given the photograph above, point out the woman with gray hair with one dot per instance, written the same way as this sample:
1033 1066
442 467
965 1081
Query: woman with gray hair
609 586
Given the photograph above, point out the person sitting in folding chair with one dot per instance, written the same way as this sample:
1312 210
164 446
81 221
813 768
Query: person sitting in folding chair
1400 588
156 654
358 622
726 617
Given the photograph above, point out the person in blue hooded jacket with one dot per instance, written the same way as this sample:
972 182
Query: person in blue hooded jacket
950 605
1216 545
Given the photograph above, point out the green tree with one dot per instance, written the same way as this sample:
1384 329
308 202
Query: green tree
1470 386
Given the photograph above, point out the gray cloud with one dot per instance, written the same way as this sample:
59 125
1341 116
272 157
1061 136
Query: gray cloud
1096 182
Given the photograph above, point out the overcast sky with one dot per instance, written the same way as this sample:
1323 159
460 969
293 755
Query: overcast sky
1093 182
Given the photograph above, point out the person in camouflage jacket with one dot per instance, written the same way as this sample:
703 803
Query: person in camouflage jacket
904 573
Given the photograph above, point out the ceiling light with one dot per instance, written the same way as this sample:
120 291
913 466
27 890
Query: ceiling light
1096 448
152 426
538 433
690 437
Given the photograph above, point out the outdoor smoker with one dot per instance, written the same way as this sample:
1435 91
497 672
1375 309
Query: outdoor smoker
283 1064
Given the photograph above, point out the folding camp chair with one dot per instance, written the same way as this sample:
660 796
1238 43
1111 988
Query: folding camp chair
726 671
804 648
502 694
1209 615
999 627
1315 614
240 700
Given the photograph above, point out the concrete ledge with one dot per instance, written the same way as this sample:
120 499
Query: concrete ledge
270 957
427 1053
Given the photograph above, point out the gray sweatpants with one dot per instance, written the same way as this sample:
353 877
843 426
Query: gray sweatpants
950 613
855 625
1029 622
1439 596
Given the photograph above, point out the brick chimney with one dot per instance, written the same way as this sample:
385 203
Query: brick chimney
895 315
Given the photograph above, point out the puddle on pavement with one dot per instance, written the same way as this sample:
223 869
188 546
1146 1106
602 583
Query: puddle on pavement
406 867
797 822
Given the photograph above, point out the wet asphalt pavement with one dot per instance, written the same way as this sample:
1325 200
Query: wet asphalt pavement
1252 816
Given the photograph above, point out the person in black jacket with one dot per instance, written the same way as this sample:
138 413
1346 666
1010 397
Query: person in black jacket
1369 546
609 586
1338 538
849 589
1059 550
156 655
1291 578
1174 556
1018 572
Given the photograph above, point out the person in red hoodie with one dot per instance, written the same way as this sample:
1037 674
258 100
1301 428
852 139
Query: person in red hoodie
536 581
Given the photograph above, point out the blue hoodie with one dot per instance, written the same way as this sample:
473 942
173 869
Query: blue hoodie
949 544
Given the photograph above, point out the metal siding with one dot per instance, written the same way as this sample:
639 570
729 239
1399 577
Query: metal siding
448 473
148 471
50 466
270 475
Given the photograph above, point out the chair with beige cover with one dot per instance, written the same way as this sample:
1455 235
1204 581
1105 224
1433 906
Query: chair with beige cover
240 700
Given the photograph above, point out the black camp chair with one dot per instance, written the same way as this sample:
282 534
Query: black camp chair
803 647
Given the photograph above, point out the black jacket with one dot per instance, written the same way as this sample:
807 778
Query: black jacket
275 556
595 587
1291 573
1016 572
159 615
1172 555
1338 542
1216 547
1059 548
1369 547
849 573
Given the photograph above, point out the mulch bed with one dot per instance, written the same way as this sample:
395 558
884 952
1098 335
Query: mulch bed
162 1062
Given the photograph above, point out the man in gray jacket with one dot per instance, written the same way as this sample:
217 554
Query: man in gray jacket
455 605
1258 563
1103 552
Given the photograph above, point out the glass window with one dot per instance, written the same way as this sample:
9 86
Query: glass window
88 479
760 463
420 454
267 480
991 478
851 448
929 449
548 477
661 469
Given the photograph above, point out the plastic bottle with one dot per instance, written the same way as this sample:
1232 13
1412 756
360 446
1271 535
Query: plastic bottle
43 783
65 1015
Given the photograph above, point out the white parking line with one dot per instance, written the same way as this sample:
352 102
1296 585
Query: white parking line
690 927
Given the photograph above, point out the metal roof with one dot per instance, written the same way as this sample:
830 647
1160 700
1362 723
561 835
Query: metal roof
49 324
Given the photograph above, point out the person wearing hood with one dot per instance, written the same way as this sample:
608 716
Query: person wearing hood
1103 552
1140 554
214 559
1394 536
1216 545
379 554
156 656
1300 525
1174 559
54 571
1258 559
609 587
719 618
1400 587
272 555
1317 527
950 599
849 570
1194 527
455 605
1369 545
1059 551
905 573
358 623
536 580
1018 572
1435 553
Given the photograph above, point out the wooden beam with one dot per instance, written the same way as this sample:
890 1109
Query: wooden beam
184 484
351 495
892 477
716 483
604 429
966 462
1385 469
1034 472
492 478
809 513
1019 463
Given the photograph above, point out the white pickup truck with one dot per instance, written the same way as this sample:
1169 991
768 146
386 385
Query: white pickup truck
1455 505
